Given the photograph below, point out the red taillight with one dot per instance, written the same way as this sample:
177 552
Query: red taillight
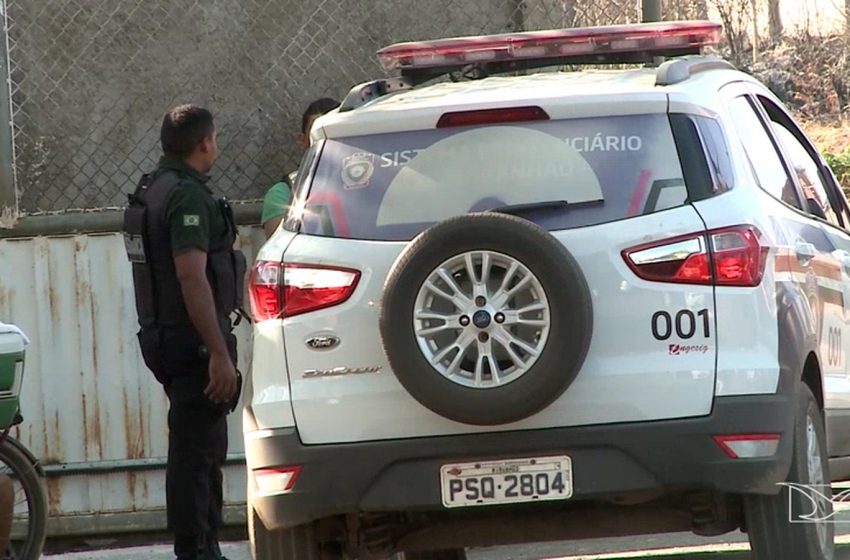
739 257
732 256
492 116
283 290
309 288
266 301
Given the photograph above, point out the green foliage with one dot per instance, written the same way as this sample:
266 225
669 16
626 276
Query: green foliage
840 165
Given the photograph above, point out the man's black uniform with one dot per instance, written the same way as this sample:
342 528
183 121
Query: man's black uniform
173 210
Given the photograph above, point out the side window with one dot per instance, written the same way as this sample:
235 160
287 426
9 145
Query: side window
764 159
302 180
717 153
841 205
704 153
824 197
817 201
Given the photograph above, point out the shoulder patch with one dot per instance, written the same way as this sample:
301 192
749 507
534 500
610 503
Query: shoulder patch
191 220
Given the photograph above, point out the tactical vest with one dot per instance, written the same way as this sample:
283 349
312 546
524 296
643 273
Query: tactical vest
159 299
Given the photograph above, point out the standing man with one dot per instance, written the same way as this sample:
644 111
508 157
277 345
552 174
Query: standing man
277 199
188 281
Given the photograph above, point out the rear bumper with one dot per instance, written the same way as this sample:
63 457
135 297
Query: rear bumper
608 460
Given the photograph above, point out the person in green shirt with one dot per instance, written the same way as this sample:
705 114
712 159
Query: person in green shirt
276 204
277 199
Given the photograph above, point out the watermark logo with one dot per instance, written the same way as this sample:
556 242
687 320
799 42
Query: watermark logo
682 349
816 503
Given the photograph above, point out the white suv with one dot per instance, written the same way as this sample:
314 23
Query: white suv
552 306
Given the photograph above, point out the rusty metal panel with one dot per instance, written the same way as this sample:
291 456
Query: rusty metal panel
93 413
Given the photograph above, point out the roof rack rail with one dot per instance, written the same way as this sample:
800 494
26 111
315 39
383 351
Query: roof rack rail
369 91
677 71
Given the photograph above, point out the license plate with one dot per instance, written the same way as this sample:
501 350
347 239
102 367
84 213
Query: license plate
505 482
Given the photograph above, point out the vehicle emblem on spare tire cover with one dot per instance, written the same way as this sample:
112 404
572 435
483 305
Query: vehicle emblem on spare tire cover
357 170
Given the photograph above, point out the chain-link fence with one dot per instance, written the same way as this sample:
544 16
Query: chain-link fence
92 78
685 9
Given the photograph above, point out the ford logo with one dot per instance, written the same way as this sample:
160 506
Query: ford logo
481 319
323 342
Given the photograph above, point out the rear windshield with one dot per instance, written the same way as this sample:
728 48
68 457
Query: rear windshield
394 186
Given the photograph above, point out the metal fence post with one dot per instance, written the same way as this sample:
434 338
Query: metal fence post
651 10
8 192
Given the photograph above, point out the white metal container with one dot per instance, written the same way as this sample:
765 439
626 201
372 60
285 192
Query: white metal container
93 414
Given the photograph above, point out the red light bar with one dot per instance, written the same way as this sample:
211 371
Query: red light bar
555 44
492 116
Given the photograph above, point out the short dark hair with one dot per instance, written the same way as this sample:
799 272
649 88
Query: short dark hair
183 128
316 109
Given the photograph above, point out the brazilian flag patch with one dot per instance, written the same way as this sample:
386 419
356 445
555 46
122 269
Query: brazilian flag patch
191 220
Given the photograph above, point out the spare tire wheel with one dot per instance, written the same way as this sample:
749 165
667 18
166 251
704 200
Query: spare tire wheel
486 318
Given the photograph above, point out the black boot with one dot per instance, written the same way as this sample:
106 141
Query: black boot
190 548
214 550
200 554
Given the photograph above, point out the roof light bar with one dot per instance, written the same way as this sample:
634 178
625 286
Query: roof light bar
557 46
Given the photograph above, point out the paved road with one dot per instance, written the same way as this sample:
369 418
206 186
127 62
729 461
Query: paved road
661 547
675 546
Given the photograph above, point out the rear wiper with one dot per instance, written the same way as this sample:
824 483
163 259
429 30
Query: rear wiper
520 209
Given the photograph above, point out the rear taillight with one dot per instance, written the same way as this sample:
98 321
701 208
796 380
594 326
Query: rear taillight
733 256
309 288
266 301
283 290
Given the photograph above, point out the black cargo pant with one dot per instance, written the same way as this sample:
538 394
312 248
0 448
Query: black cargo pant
197 445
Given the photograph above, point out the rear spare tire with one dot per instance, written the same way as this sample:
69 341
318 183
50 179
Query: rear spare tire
486 318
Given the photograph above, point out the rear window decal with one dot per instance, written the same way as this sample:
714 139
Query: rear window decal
418 178
357 170
599 143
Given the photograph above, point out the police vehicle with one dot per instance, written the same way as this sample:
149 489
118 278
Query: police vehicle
522 304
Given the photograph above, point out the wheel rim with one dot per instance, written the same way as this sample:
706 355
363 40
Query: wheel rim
814 461
481 319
